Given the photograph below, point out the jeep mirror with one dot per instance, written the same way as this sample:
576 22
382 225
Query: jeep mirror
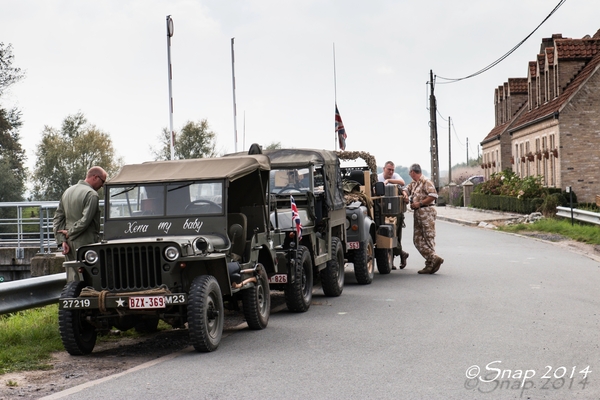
379 189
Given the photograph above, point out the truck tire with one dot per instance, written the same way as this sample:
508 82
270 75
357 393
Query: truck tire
78 335
298 294
364 262
206 313
385 260
332 277
257 302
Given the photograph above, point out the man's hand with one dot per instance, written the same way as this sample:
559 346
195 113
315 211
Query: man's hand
65 248
64 232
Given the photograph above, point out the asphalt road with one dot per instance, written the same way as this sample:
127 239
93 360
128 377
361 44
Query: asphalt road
505 317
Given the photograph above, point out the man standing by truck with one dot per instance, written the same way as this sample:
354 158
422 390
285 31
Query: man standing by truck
390 177
77 218
423 194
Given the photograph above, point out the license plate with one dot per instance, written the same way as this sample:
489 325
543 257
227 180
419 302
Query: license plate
278 278
147 302
353 245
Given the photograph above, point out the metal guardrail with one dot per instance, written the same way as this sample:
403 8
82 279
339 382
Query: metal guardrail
579 215
31 293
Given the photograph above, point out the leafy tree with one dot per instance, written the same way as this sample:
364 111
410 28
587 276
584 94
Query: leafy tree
12 156
8 73
65 155
195 140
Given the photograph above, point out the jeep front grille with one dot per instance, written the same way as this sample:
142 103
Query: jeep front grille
131 267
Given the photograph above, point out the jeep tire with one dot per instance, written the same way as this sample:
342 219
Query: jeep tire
332 277
77 335
298 294
385 260
364 262
257 302
206 314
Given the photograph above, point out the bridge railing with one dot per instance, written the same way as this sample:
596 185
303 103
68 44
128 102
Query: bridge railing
29 224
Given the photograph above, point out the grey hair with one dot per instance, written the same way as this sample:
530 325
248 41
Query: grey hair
389 163
415 168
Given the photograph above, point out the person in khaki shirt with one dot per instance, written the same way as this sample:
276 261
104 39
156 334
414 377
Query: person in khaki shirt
423 194
77 218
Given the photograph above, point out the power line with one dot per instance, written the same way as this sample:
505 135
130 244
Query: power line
498 61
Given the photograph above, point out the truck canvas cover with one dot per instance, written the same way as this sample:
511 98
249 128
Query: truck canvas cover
297 158
230 168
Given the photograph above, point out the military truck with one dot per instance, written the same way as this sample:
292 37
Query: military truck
375 215
182 241
306 187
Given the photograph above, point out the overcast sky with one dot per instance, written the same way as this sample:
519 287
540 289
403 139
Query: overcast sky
108 59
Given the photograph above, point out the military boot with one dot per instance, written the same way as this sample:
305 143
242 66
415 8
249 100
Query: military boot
403 257
428 268
437 262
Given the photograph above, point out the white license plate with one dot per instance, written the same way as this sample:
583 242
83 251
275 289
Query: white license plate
147 302
278 278
353 245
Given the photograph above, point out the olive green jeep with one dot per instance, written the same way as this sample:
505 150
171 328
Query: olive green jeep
182 240
308 208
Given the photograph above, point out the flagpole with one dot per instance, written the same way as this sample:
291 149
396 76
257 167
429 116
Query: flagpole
170 72
335 139
235 141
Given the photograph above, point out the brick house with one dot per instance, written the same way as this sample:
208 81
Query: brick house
548 124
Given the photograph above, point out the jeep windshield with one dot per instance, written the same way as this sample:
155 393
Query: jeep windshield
296 180
165 199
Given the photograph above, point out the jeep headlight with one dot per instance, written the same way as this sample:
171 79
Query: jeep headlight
171 253
90 257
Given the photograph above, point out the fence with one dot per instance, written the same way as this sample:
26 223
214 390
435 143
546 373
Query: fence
29 224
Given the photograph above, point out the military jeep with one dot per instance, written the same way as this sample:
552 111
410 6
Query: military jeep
375 215
182 241
306 187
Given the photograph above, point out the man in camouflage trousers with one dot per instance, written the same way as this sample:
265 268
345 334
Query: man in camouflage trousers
423 194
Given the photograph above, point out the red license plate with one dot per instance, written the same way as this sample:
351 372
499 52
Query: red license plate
353 245
147 302
278 278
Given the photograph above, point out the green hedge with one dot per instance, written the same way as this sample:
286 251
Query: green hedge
505 203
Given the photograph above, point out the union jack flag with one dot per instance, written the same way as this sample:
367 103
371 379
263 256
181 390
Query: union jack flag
296 218
339 129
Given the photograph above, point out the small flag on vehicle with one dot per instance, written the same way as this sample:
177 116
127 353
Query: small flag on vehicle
339 129
296 218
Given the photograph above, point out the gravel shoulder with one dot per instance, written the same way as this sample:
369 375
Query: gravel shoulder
108 358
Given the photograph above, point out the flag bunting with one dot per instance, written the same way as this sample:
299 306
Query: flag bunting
296 218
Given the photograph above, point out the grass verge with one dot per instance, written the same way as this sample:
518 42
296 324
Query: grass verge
28 338
581 232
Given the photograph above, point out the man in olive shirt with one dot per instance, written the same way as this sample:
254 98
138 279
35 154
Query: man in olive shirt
77 218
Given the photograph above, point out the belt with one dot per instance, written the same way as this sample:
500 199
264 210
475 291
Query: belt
425 205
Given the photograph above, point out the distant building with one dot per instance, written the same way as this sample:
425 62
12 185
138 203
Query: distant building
548 124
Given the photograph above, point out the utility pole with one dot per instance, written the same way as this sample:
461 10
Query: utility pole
435 176
449 152
467 152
